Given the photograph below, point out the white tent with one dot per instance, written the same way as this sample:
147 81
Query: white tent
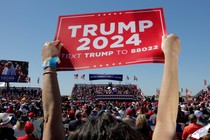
3 84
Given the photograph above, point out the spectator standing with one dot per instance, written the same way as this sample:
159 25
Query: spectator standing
143 126
19 128
29 128
36 123
192 127
6 130
129 118
200 118
74 124
153 117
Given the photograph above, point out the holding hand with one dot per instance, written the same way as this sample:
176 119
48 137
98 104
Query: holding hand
171 45
51 49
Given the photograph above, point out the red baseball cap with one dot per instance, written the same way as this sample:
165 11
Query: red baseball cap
29 127
31 114
129 112
71 112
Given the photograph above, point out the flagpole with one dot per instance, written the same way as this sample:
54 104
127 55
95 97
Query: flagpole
205 86
38 81
127 78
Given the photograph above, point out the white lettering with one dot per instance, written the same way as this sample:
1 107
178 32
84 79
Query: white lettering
144 24
131 25
111 30
91 28
119 28
99 54
74 29
71 56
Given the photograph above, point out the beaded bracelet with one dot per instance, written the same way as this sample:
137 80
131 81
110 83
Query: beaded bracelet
49 72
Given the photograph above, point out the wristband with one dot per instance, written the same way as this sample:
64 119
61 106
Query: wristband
51 63
49 72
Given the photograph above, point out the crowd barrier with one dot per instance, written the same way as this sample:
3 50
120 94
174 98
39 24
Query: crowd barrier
113 97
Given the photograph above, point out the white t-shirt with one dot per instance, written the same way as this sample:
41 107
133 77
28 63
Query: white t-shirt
19 132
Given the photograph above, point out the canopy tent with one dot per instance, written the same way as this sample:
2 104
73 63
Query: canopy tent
3 84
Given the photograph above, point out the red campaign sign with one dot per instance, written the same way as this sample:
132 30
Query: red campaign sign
108 39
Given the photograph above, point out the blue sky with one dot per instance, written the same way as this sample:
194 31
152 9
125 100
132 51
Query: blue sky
25 26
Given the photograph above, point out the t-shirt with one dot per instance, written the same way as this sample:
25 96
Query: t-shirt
191 128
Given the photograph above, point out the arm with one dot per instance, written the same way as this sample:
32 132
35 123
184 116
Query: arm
51 99
168 100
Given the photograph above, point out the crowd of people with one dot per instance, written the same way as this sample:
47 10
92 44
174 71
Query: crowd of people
23 105
18 106
45 115
87 92
16 69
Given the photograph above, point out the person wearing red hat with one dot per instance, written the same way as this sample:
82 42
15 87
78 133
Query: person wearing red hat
31 115
37 129
11 110
150 113
129 118
71 115
71 112
29 128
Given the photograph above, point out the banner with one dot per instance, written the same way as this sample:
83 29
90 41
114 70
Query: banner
201 132
116 77
108 39
14 71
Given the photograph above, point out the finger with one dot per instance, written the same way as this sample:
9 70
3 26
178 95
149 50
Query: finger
53 43
177 37
46 43
59 46
56 43
163 37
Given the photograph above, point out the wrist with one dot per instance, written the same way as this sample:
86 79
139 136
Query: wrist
171 56
50 71
51 62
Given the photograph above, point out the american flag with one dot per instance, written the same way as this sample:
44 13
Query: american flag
75 76
127 77
83 76
38 80
28 79
142 93
135 78
188 92
157 92
205 82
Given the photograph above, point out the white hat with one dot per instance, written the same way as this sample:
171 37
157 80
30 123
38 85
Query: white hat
4 118
183 106
198 113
